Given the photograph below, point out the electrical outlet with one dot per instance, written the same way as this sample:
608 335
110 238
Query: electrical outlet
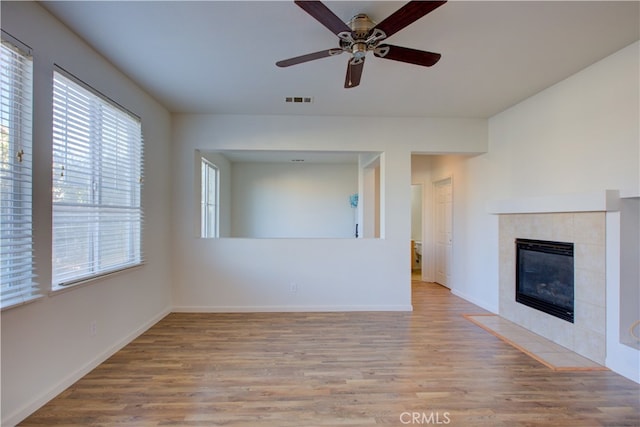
93 328
293 287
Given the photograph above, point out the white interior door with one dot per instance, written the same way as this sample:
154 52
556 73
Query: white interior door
443 217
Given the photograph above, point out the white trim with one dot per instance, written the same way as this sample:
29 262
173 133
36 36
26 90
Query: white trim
289 308
38 401
629 195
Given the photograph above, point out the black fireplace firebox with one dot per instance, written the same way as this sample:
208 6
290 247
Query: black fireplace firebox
544 276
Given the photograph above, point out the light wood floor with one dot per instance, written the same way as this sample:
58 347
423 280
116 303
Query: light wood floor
431 366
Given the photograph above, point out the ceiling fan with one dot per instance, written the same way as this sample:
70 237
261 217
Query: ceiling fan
361 35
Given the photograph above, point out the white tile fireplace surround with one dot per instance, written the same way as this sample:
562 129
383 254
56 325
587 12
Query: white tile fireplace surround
574 219
586 230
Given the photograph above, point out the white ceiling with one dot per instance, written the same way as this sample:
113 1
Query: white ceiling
219 56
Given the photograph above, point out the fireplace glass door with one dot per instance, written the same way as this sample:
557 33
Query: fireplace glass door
544 276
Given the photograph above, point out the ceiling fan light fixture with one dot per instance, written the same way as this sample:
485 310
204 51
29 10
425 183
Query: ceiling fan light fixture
359 50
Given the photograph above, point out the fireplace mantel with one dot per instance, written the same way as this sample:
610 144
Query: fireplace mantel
601 201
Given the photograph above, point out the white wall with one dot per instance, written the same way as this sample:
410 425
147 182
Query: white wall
327 274
290 200
46 345
578 136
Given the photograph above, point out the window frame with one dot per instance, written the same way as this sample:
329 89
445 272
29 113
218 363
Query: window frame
209 172
100 142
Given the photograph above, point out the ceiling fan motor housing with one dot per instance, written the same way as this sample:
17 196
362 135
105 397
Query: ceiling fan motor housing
360 26
360 40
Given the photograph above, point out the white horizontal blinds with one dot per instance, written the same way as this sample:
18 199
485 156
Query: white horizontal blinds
97 176
17 284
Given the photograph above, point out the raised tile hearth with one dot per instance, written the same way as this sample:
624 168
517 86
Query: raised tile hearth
548 353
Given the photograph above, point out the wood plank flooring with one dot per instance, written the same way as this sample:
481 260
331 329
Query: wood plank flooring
430 366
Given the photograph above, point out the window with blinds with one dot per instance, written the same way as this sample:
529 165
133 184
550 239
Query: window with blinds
17 284
97 177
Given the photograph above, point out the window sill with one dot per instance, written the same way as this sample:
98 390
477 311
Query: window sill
57 289
28 300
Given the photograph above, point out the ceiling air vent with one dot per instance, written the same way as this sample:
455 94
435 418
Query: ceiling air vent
299 99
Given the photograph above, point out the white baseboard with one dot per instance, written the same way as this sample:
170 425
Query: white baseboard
40 400
289 308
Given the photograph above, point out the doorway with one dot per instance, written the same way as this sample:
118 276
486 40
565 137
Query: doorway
443 230
372 193
416 230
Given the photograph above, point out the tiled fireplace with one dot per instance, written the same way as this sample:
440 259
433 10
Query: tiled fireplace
603 228
586 231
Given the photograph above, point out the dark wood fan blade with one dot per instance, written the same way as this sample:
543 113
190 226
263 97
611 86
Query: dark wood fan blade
354 73
405 54
309 57
406 15
323 15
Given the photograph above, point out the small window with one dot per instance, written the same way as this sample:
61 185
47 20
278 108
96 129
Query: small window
209 199
17 283
97 178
